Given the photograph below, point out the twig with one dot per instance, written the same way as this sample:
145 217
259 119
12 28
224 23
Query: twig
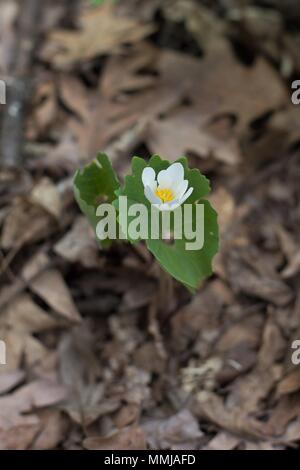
19 84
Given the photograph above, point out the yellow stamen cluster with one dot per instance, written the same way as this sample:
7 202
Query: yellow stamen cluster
166 195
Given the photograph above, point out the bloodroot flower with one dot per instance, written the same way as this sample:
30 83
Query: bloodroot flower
170 190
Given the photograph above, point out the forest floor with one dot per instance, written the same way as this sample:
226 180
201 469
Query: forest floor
103 350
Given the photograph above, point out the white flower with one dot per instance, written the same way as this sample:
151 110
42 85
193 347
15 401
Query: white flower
170 190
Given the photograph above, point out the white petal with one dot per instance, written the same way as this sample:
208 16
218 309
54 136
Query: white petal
164 207
169 206
148 178
164 181
181 189
174 204
151 196
176 173
171 177
186 195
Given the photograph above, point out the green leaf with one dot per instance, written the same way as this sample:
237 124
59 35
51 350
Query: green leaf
94 184
97 3
188 267
134 191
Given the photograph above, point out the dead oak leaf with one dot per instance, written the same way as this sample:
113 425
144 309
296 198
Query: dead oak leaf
224 203
199 20
130 438
79 245
180 431
24 315
51 287
79 368
25 223
184 133
46 195
210 406
17 429
141 57
289 384
101 31
53 428
20 435
21 348
9 380
223 441
45 110
220 84
285 413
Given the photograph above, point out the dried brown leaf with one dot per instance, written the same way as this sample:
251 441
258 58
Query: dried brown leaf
130 438
101 31
51 287
180 431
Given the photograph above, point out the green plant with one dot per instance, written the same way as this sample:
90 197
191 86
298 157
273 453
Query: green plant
155 193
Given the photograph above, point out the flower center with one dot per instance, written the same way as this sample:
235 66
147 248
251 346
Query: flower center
166 195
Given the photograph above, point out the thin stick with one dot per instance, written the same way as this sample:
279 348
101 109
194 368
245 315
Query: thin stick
19 84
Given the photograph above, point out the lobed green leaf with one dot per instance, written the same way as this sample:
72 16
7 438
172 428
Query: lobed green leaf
95 183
